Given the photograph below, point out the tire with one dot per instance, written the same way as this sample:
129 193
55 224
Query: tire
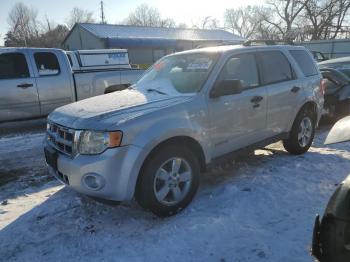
294 144
159 185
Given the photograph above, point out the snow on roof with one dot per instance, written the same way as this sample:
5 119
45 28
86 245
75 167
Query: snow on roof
126 31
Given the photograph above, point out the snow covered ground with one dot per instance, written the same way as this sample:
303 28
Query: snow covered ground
259 208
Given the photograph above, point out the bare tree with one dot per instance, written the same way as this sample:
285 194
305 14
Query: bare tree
207 22
325 18
26 30
287 12
244 21
167 22
145 15
53 37
249 22
182 25
79 15
23 22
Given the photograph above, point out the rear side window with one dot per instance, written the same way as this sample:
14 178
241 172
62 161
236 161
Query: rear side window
13 65
241 67
70 60
274 67
305 62
47 63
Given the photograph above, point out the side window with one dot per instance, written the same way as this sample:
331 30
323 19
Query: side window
70 59
305 62
47 63
13 65
274 67
241 67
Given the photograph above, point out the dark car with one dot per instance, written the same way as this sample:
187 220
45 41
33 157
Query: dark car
331 235
337 93
342 64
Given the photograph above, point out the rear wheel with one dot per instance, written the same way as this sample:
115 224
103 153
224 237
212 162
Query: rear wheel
168 181
302 133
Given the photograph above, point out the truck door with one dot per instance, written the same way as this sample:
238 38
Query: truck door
18 92
238 120
54 79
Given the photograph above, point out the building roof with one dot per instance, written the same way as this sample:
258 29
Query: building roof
126 32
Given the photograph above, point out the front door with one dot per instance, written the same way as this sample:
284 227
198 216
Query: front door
18 91
53 79
238 120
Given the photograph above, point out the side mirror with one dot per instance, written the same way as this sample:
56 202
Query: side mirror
226 87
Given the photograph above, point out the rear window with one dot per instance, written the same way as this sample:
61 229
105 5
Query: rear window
13 65
305 62
70 59
47 63
274 67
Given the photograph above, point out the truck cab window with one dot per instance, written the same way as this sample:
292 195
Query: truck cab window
13 65
47 63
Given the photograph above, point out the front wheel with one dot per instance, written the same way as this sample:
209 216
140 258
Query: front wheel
168 180
302 133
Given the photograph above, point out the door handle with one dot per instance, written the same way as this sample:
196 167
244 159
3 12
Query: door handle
25 85
295 89
256 99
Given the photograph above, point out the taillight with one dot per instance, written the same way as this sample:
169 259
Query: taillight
323 86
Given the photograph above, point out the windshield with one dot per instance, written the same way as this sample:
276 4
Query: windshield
178 74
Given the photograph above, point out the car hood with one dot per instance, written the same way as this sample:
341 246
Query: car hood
105 112
340 132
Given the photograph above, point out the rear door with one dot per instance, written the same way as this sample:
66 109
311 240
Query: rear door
238 120
283 90
54 79
18 92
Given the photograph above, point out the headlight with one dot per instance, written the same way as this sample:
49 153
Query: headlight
93 142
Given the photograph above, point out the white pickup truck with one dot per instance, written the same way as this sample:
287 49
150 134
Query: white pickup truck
35 81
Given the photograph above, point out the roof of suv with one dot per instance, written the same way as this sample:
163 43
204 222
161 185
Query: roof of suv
227 48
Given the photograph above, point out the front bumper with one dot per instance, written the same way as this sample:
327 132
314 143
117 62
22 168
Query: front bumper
117 167
330 241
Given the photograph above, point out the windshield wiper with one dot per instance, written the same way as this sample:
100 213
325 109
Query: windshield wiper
155 90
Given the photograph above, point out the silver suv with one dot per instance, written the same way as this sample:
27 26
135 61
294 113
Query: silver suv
189 109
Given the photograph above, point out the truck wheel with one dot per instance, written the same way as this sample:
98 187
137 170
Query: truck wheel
302 133
168 181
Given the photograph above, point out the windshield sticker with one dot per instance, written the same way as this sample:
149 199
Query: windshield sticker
159 66
199 66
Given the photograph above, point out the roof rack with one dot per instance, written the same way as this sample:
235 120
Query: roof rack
223 43
267 42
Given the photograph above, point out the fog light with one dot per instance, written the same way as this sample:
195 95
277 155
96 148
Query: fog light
93 181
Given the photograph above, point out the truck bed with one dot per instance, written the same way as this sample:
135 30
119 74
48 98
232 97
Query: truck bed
97 82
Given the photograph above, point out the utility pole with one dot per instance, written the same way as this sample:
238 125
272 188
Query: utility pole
103 21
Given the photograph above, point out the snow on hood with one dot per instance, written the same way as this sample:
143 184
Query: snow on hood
117 108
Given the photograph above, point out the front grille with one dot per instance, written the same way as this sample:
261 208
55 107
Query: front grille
61 138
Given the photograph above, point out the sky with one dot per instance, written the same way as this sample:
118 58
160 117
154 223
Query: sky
182 11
